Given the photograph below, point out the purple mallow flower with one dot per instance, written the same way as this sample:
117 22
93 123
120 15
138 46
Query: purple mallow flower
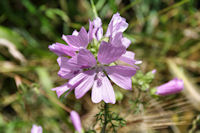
171 87
36 129
75 118
85 71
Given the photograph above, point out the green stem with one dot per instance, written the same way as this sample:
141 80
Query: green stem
105 118
94 9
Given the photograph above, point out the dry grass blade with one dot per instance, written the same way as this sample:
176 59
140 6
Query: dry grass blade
160 114
190 89
191 65
12 50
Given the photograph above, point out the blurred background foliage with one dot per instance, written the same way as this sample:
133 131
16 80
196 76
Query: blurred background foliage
165 36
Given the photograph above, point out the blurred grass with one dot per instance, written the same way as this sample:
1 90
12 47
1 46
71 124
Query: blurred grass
159 29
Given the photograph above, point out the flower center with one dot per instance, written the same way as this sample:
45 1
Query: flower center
98 77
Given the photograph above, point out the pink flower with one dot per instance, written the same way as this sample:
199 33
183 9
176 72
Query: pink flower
36 129
75 118
84 71
171 87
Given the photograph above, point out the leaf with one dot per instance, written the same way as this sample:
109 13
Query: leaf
44 77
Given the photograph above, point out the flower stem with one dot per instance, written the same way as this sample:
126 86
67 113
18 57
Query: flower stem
105 118
94 9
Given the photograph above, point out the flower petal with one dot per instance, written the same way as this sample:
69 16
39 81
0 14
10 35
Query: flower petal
61 60
62 50
117 39
73 83
97 22
121 75
68 73
75 33
86 84
109 53
36 129
129 58
102 89
73 62
77 41
86 59
75 118
99 33
76 80
126 42
68 67
95 29
117 24
61 89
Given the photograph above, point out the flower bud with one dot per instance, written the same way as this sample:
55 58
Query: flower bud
75 118
171 87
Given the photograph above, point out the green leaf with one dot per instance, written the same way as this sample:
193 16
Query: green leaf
44 77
